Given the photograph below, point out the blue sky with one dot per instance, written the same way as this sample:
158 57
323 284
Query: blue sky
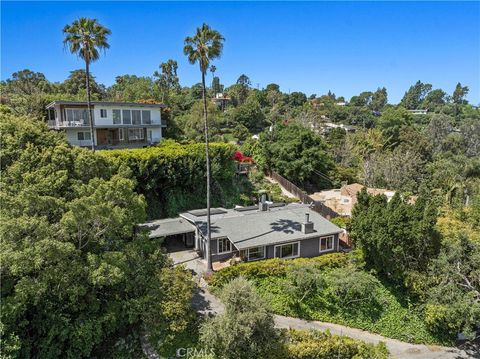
313 47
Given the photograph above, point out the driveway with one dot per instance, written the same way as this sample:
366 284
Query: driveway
190 259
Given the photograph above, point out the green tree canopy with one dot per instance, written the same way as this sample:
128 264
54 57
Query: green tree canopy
167 79
296 153
131 88
395 229
245 330
75 85
76 277
249 115
415 95
459 94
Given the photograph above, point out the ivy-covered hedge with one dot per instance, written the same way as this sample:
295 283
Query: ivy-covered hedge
172 176
274 268
323 345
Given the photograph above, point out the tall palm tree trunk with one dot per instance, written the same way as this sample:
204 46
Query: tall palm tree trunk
209 235
89 106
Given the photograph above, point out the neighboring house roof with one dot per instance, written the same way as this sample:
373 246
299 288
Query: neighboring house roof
250 227
167 227
105 103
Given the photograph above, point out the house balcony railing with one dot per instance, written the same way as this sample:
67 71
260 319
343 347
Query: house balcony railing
65 124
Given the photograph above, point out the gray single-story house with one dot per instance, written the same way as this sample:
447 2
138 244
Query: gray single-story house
273 230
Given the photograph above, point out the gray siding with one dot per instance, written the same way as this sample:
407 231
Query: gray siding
223 256
308 247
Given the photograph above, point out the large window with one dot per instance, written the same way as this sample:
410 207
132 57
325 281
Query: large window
117 117
255 253
81 136
224 245
326 243
147 120
289 250
103 113
77 116
135 134
136 117
127 119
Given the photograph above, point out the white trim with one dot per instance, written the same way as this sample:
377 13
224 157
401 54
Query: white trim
218 245
320 244
284 244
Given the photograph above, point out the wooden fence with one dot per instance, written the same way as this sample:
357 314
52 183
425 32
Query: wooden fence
317 206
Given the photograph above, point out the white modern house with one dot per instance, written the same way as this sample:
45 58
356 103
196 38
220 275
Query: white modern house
116 124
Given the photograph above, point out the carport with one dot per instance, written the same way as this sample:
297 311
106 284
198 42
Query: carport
178 232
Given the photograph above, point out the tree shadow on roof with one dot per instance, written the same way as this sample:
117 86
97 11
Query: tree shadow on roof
282 225
286 226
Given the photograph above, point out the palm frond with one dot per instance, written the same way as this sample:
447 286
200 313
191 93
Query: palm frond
204 46
86 37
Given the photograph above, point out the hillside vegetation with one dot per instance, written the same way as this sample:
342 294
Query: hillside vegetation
76 279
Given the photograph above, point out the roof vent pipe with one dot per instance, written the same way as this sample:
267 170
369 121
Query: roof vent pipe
262 203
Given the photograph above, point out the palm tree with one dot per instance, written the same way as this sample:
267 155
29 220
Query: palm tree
204 46
86 37
213 68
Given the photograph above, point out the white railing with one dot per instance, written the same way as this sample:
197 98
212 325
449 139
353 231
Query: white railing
81 123
82 143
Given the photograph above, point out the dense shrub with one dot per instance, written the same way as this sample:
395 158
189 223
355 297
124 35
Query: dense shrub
323 345
333 288
383 311
172 176
245 330
274 268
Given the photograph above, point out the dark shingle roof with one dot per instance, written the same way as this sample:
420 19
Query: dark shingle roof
257 228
